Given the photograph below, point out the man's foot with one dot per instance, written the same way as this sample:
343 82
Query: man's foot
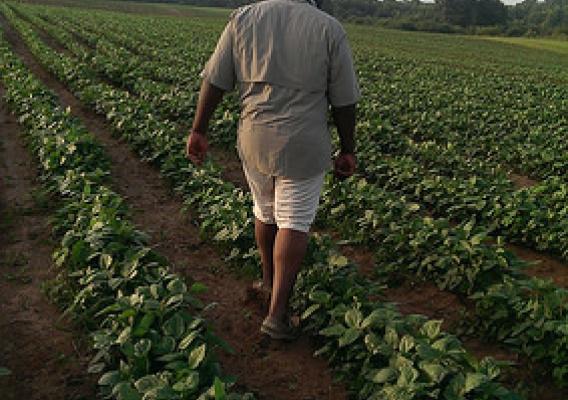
279 330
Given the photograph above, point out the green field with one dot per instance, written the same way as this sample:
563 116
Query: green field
462 184
557 46
169 9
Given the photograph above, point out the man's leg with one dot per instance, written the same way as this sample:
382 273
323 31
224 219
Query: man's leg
289 251
265 239
296 202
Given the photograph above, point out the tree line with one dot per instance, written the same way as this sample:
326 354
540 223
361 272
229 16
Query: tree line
529 18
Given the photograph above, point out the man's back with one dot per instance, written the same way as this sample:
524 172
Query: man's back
286 43
289 61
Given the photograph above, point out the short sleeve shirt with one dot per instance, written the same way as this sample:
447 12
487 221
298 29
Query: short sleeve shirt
289 61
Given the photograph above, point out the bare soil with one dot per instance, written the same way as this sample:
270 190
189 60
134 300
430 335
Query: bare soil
270 369
45 354
521 181
543 265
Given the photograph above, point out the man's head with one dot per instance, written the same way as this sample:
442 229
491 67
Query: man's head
316 3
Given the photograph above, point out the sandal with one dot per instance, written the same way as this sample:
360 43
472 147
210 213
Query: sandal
279 330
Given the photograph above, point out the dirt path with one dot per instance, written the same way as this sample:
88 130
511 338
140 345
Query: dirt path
544 266
45 355
274 371
522 181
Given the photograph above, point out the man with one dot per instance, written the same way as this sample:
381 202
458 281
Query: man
290 61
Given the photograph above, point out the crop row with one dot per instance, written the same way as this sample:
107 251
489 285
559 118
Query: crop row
382 354
146 329
433 175
456 258
515 121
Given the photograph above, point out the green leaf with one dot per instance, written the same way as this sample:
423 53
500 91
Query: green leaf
177 286
144 325
166 344
349 337
373 320
444 343
473 381
142 347
319 296
124 391
309 311
189 384
408 375
373 343
391 337
175 326
197 356
5 371
477 239
353 318
413 207
406 344
110 378
147 383
436 372
382 376
79 252
125 335
469 226
198 288
431 328
186 341
175 300
176 365
105 261
334 330
171 357
95 368
338 261
219 386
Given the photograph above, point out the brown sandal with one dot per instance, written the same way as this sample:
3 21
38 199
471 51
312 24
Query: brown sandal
279 330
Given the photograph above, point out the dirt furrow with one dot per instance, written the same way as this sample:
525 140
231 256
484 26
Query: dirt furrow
522 181
45 355
273 370
543 265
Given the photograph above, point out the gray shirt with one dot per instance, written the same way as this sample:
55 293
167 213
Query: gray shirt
289 61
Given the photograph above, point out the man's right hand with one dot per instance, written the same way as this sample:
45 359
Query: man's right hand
345 165
196 147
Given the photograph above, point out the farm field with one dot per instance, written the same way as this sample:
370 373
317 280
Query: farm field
557 46
440 271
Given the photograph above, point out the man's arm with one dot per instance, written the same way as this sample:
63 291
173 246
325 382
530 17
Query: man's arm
218 77
344 119
209 98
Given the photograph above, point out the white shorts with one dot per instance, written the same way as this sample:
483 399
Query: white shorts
288 203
